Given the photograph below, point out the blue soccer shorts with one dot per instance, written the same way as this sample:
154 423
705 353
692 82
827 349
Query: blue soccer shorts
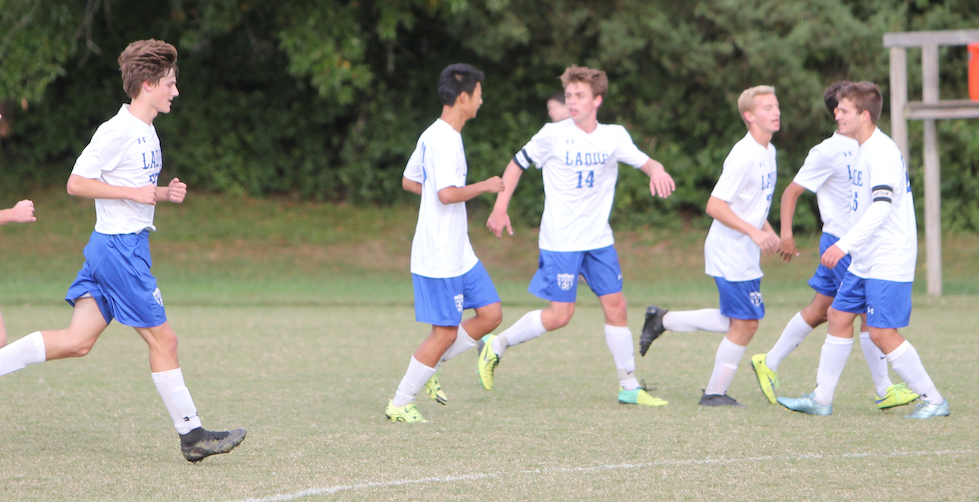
826 281
741 300
886 303
556 278
117 275
440 302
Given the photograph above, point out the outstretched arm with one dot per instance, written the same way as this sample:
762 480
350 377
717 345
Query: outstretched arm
660 183
499 219
94 189
22 212
786 247
765 238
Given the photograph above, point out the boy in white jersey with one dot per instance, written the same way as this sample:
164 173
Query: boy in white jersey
119 169
579 158
883 244
447 276
826 172
739 234
22 212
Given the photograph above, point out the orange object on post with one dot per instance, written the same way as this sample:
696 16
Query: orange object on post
974 71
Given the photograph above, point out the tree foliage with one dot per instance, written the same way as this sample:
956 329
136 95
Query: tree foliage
325 99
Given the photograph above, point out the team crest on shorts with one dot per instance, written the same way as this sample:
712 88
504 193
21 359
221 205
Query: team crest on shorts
564 281
458 299
756 299
158 296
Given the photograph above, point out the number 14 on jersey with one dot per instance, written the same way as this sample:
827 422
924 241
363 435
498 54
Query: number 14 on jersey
586 180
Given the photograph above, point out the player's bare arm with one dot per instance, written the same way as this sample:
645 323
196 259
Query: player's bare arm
499 219
411 186
764 238
786 247
451 195
88 188
660 182
174 192
22 212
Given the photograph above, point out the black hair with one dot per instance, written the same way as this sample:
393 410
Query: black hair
831 96
457 79
558 96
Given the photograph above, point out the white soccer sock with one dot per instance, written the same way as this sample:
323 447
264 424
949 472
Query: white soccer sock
18 355
619 341
697 320
832 359
906 363
525 329
463 343
876 362
413 381
726 361
793 334
176 397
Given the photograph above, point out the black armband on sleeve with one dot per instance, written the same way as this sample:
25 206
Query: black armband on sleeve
881 193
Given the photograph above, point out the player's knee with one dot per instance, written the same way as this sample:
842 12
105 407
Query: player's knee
493 317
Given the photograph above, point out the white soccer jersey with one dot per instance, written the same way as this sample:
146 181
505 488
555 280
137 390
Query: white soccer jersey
124 151
747 184
890 251
440 248
826 172
580 171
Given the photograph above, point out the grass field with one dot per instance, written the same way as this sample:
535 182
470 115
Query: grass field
296 323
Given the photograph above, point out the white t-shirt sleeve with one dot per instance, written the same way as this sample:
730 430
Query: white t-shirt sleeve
441 164
537 150
626 151
103 153
732 178
814 171
414 170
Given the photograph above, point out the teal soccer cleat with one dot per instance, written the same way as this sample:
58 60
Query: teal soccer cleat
806 404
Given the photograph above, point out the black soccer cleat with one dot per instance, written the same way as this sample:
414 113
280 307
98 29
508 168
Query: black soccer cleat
652 328
719 400
199 443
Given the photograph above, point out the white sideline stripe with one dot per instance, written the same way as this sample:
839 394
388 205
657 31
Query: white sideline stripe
597 468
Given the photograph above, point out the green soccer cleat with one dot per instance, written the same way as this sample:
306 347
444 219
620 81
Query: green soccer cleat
434 389
896 395
928 410
806 404
767 379
652 328
198 444
639 396
487 362
407 413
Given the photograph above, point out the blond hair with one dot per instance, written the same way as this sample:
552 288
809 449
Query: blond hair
596 79
746 102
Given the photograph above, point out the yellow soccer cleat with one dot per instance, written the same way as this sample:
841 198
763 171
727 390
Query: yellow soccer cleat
434 389
896 395
407 413
639 396
767 379
487 362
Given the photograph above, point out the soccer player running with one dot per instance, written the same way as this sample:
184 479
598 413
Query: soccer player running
883 244
739 234
826 172
579 159
119 169
447 276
